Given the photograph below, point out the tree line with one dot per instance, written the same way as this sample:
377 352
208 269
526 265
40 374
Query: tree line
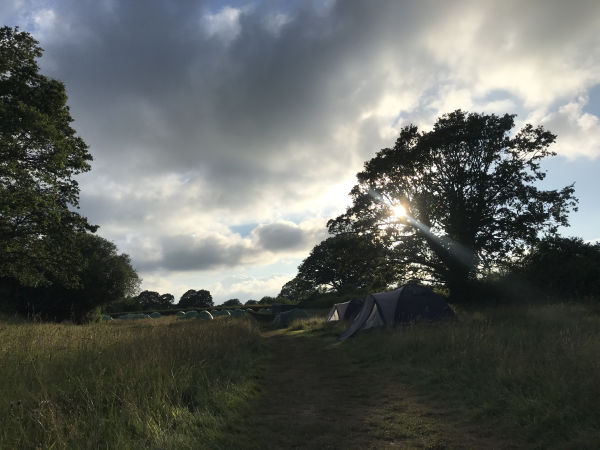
202 298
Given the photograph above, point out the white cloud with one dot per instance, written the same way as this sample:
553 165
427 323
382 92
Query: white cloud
224 25
578 131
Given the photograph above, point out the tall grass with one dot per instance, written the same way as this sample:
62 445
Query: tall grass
147 384
532 373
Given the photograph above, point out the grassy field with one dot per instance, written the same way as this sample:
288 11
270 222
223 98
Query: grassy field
512 377
146 384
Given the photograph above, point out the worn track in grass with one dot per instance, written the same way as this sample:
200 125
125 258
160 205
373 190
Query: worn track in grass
316 396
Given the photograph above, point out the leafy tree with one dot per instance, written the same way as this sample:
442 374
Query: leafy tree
166 300
297 289
103 275
563 267
251 302
468 189
200 299
346 262
267 300
232 302
152 299
39 156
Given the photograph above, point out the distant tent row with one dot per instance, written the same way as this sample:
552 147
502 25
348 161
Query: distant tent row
210 315
134 316
403 305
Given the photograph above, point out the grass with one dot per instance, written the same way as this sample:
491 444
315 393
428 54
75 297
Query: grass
510 377
147 384
529 375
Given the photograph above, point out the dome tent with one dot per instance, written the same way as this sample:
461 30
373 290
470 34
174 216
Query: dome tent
236 313
344 311
180 314
284 319
204 315
403 305
191 314
155 315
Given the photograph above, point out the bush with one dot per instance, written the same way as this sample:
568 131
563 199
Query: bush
563 267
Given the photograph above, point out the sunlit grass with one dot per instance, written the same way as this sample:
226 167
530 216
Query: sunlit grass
146 384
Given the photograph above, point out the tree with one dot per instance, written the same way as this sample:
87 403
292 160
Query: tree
39 156
152 299
563 267
468 191
267 300
232 302
346 262
103 276
166 300
251 302
199 299
297 289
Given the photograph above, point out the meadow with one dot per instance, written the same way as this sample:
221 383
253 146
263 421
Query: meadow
499 377
125 384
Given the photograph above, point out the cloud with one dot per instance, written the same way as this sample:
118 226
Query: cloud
263 112
578 131
224 25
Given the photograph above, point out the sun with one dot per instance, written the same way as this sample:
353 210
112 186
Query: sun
398 211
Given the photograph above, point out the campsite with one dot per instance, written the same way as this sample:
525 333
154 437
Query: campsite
323 224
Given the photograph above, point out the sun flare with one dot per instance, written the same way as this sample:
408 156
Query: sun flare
398 211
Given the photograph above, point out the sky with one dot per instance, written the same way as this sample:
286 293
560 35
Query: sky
226 134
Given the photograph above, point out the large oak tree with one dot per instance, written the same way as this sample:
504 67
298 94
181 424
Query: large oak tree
469 189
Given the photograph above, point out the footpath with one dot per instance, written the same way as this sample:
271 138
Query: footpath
314 395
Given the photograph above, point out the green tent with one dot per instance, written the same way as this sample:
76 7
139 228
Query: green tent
204 315
191 314
284 319
180 314
156 315
106 317
236 313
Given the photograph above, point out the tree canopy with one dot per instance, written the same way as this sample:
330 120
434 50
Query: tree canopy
152 299
468 190
200 299
39 156
232 302
103 276
344 263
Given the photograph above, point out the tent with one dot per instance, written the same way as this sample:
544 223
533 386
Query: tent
277 308
205 315
284 319
191 314
134 316
344 311
262 316
106 317
156 315
180 314
238 313
403 305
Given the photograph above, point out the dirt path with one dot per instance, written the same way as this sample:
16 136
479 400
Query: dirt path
315 396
